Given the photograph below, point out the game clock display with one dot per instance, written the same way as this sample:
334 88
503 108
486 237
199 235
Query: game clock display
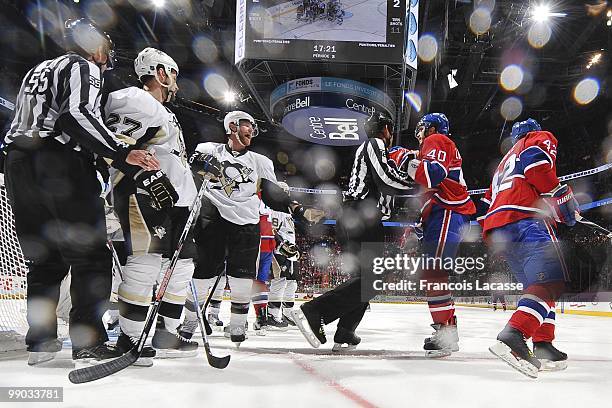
321 30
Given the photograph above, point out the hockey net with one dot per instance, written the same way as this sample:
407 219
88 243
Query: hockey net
13 270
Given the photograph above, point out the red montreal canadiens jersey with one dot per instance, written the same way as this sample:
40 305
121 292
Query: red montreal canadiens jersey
526 171
440 170
268 243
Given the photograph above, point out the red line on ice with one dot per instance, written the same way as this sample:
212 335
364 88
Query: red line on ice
362 402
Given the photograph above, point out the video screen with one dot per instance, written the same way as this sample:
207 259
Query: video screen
321 30
319 20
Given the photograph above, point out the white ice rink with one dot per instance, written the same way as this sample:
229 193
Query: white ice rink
388 370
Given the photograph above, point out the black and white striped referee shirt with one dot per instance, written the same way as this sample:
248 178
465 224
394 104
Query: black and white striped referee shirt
373 176
60 99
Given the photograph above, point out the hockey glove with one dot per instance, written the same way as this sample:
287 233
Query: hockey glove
412 167
289 250
158 187
309 215
205 164
563 204
400 156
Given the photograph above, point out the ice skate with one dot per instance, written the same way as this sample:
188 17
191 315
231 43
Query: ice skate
311 325
444 342
226 331
173 345
277 325
188 328
288 317
345 340
512 348
95 354
44 352
237 334
260 326
125 343
214 321
551 358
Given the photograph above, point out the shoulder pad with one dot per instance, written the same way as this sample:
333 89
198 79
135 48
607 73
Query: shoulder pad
539 136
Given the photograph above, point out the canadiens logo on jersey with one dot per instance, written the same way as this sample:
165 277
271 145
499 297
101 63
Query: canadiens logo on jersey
234 175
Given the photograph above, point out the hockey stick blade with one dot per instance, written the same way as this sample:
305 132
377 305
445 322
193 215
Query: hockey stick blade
214 361
95 372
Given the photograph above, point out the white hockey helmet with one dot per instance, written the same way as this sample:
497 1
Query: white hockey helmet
284 186
235 117
149 59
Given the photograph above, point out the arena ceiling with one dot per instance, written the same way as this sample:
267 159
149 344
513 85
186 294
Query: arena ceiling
200 36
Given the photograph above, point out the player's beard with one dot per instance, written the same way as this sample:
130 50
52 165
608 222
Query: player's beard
169 89
240 142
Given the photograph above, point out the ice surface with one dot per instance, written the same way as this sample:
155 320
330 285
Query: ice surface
387 370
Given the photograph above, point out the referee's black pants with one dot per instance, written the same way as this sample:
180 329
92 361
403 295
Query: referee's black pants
348 302
59 219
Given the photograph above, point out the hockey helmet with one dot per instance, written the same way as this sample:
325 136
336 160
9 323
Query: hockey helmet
235 117
84 38
437 120
520 129
149 59
377 123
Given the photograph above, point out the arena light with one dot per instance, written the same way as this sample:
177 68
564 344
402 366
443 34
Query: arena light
452 82
158 3
542 12
229 96
594 60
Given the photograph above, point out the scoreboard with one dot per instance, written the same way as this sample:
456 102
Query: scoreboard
372 31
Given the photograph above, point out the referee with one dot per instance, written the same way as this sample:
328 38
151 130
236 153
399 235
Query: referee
51 180
366 204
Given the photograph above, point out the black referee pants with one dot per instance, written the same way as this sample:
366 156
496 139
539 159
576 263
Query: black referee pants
347 301
59 219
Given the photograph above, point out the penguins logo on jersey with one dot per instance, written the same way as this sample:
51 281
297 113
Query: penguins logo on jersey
234 174
159 231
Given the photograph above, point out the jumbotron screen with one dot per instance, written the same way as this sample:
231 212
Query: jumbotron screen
321 30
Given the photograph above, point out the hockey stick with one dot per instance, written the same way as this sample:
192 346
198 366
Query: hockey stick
116 263
210 294
216 362
87 374
594 226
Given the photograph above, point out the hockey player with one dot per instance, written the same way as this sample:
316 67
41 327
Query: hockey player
284 283
228 227
51 181
498 297
260 284
366 204
152 236
445 212
515 220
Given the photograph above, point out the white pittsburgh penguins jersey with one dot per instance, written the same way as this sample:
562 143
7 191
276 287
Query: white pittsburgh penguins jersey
283 225
235 194
135 113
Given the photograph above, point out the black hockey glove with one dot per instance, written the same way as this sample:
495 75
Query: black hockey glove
289 250
159 188
205 164
309 215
